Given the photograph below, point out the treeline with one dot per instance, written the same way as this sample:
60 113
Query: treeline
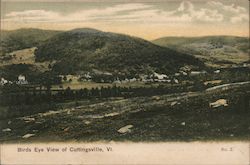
36 96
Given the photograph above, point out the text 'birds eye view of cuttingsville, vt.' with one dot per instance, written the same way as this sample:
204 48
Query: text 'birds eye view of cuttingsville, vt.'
141 71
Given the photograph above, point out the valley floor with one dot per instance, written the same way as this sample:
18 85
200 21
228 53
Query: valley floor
173 117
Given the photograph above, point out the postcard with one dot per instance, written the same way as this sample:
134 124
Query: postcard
124 82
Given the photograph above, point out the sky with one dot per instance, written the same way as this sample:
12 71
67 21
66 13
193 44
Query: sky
148 19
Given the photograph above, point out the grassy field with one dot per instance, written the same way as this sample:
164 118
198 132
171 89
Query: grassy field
218 60
21 56
174 117
24 56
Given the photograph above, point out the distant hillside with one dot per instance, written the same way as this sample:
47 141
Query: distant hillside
23 38
88 49
214 50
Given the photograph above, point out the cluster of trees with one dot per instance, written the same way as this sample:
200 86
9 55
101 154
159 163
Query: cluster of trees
38 96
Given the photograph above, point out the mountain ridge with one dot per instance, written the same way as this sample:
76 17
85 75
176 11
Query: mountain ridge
12 40
213 50
86 49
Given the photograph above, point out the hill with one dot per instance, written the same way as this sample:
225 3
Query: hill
213 50
90 49
23 38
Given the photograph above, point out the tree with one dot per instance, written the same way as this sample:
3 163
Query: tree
64 78
49 66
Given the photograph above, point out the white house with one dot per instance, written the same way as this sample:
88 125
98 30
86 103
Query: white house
246 65
160 76
3 81
217 71
176 81
195 73
21 80
183 73
177 74
132 80
117 82
87 75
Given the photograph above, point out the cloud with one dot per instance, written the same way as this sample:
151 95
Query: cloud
186 6
32 15
240 18
186 12
233 13
229 8
84 15
200 15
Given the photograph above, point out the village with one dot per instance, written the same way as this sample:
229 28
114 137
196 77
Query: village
184 73
106 77
21 80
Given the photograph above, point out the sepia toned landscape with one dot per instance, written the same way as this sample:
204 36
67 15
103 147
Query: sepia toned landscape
124 71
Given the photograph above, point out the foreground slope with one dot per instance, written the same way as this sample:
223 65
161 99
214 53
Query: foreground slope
88 49
174 117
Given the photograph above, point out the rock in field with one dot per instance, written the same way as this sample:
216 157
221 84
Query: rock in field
28 136
125 129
